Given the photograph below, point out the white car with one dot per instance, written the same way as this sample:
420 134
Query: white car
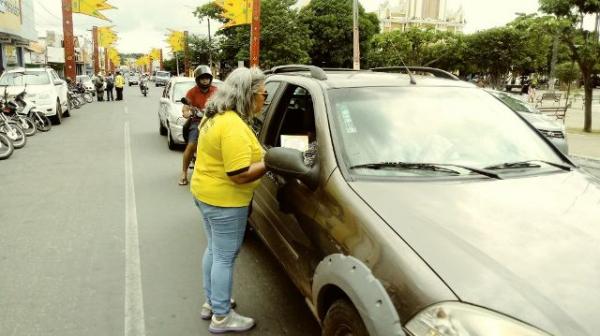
44 88
170 116
86 81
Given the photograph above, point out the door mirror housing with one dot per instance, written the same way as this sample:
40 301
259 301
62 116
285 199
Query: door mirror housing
59 82
289 162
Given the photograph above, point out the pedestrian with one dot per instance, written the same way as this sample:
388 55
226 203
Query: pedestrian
99 85
119 84
230 164
531 94
110 85
197 97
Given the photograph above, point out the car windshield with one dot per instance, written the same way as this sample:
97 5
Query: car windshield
515 104
162 74
180 89
27 77
442 125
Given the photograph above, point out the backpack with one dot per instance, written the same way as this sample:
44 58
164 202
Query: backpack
110 82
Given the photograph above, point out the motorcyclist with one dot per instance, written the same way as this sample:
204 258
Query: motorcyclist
144 83
197 97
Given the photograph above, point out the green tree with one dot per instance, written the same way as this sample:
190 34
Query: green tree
330 25
538 39
418 47
583 45
567 72
284 38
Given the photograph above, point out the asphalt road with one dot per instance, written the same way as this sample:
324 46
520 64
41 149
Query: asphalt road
97 238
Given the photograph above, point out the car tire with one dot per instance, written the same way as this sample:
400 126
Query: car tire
342 318
57 118
170 143
161 129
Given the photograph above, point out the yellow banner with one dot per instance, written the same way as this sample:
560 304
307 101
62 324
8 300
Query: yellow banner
92 8
10 14
238 12
176 40
155 54
106 36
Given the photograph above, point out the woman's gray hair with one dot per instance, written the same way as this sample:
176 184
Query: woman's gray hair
238 93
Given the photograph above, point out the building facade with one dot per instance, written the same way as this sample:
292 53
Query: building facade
17 31
425 14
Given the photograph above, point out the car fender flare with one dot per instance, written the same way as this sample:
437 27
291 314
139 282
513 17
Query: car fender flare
365 291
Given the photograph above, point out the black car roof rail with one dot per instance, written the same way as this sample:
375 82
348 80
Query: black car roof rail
315 71
434 71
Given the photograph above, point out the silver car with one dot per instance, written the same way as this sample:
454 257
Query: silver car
550 128
162 78
170 116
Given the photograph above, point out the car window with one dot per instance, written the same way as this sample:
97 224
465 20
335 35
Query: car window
163 74
27 77
181 89
515 104
54 75
271 89
445 125
293 121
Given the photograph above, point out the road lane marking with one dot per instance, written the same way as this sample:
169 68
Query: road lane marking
126 110
134 298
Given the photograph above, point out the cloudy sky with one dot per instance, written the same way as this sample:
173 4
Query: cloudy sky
143 24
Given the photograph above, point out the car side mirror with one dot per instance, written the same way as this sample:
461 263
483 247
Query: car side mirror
58 82
289 162
184 101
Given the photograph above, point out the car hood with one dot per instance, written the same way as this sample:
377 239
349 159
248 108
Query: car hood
543 122
527 247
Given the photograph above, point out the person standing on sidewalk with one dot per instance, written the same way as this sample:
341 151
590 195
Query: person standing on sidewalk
229 167
197 97
110 85
119 84
99 86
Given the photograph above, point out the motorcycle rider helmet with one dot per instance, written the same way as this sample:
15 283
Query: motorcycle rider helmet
203 71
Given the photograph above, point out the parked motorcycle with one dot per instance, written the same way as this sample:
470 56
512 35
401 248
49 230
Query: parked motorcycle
8 126
6 146
28 109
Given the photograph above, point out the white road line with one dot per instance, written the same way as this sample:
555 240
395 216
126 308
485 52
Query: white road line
126 110
134 298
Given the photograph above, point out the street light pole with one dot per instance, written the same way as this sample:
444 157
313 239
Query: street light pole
356 40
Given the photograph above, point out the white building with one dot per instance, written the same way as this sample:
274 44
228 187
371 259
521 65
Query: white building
434 14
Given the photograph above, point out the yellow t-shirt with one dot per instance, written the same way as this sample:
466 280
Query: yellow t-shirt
225 144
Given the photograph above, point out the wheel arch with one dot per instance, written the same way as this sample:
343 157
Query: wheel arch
339 276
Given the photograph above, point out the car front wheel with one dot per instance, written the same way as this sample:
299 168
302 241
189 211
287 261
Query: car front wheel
57 118
343 319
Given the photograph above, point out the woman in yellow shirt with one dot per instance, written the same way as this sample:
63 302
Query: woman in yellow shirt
229 164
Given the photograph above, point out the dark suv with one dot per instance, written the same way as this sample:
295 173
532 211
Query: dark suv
405 204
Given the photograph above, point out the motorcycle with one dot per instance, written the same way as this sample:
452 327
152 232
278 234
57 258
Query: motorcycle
144 88
29 110
6 147
8 126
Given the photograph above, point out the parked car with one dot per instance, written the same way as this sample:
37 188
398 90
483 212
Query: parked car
423 206
162 78
550 128
45 89
133 79
86 81
170 116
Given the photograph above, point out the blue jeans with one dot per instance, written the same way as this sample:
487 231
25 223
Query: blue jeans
225 229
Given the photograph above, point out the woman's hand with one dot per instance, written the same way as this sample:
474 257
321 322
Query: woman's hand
254 172
186 111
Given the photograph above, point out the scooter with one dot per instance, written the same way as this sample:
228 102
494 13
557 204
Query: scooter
29 110
144 88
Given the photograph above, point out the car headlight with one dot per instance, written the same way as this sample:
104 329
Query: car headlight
553 134
458 319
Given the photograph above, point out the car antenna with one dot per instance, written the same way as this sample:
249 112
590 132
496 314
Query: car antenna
412 78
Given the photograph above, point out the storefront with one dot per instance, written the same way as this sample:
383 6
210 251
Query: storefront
17 30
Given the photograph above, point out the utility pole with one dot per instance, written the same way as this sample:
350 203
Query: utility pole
95 49
106 62
553 63
255 34
160 64
209 46
177 62
186 56
355 35
69 45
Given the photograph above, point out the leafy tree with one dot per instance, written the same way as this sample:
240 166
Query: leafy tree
583 45
418 47
284 38
538 40
330 25
567 72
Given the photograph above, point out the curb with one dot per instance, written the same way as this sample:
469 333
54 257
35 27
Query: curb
588 161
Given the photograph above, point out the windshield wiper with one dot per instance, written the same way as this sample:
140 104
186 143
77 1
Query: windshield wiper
426 166
528 164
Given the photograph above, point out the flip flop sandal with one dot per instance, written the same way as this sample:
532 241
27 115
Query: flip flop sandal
183 182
